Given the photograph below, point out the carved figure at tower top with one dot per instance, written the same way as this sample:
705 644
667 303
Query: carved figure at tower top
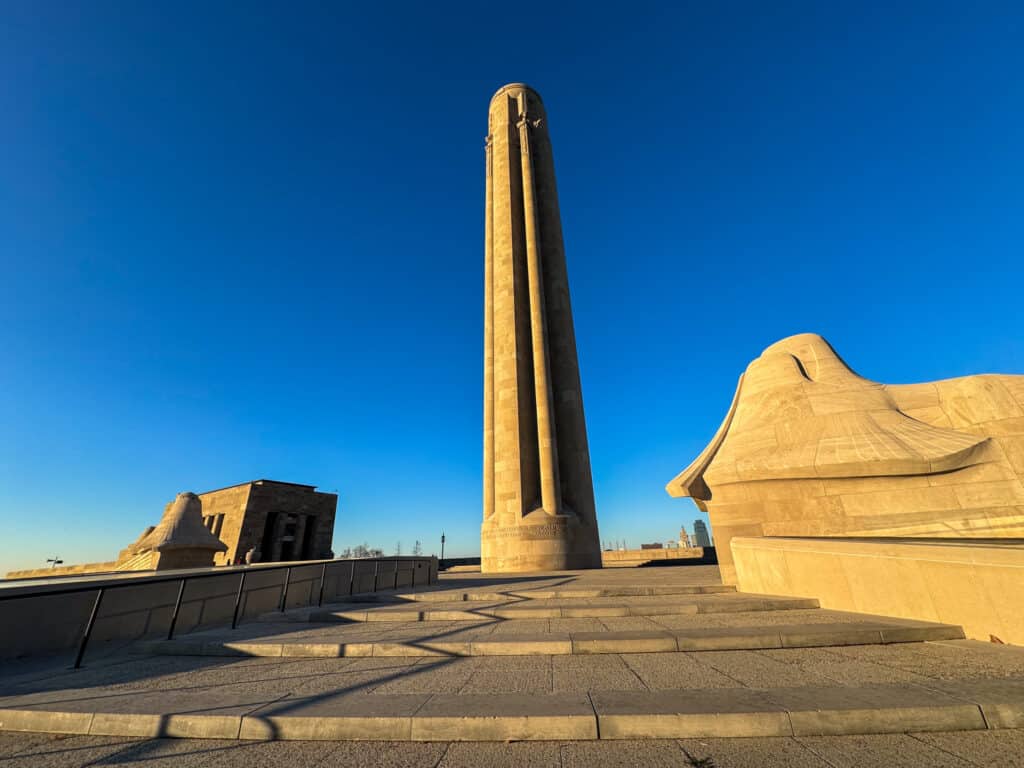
809 448
538 492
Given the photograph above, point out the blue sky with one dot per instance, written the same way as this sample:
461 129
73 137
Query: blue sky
250 244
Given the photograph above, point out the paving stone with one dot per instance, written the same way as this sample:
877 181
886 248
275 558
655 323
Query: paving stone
511 674
890 751
675 670
378 754
71 752
203 753
778 752
593 673
792 616
940 662
753 669
576 625
623 754
430 676
526 626
820 661
353 680
524 754
991 749
12 743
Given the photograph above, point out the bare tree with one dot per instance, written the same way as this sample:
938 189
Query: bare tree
417 548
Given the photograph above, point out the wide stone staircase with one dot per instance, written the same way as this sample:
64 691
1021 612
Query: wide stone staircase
642 654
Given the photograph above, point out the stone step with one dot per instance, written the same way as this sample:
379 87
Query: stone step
518 611
579 643
675 714
447 596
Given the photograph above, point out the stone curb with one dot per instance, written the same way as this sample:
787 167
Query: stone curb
568 612
580 643
674 714
565 594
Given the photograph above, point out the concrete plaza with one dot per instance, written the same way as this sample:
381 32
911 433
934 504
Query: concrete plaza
653 666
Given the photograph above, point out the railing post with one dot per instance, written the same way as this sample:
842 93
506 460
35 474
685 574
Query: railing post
177 607
284 592
323 578
88 628
352 578
376 572
238 601
415 567
396 574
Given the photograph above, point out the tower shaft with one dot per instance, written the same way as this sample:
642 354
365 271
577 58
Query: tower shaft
538 492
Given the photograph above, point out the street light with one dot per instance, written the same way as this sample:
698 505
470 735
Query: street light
442 545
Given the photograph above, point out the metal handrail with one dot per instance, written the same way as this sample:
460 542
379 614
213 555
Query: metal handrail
220 571
183 580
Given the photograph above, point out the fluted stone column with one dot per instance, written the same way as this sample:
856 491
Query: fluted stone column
538 492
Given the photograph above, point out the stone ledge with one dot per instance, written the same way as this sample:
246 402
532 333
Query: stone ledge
443 596
739 604
582 643
717 713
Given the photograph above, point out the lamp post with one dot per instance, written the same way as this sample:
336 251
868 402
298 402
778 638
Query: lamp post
442 545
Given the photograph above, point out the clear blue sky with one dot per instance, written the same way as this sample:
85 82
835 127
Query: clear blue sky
248 242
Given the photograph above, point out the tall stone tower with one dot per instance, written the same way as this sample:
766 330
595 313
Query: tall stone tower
538 492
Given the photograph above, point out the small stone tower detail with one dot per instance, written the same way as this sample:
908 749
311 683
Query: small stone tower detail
538 491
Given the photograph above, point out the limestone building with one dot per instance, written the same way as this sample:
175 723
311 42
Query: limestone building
284 521
538 493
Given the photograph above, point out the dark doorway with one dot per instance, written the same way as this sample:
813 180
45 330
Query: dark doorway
267 554
309 538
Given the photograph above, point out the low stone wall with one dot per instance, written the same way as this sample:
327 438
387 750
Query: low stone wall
40 618
461 563
978 584
633 558
63 570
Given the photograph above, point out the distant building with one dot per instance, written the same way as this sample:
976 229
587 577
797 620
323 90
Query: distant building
684 538
700 534
655 545
283 521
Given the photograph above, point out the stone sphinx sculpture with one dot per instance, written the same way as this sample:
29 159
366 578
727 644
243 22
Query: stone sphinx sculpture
809 448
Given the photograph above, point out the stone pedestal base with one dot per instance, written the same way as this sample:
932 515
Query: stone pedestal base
539 542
